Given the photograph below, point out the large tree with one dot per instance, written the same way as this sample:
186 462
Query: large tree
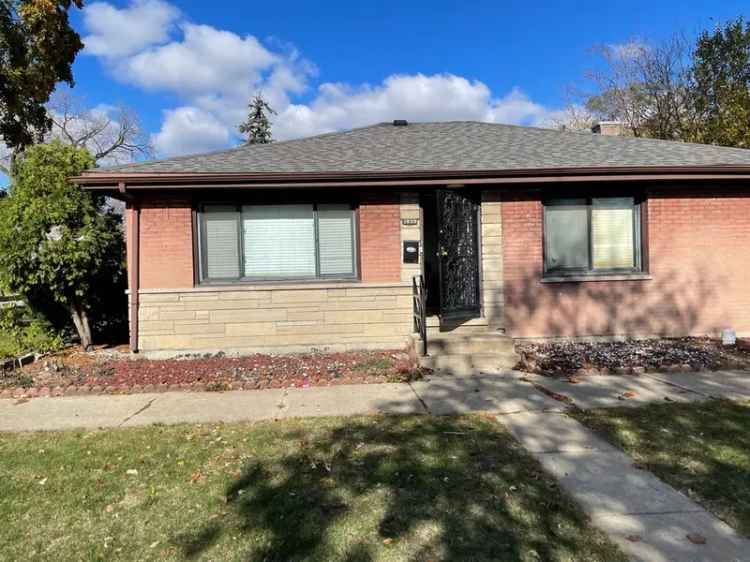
644 86
57 243
720 86
37 49
257 127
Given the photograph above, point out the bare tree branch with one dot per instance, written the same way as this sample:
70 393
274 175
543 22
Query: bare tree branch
643 86
113 134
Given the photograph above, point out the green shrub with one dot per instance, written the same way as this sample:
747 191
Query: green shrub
21 331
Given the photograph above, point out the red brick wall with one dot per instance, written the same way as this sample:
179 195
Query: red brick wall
380 237
699 261
166 245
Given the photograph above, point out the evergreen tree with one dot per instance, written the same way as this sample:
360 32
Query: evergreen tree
258 127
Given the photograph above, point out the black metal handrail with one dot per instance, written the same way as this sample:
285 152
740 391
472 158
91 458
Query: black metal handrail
419 298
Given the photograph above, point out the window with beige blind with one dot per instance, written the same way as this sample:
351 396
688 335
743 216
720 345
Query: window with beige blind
277 242
596 235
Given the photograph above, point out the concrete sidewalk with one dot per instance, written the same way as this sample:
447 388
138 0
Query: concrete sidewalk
631 390
440 396
649 519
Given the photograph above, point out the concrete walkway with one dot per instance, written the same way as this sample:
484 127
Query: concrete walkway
498 393
627 390
649 519
439 396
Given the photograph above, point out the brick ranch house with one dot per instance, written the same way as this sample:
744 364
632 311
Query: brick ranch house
532 233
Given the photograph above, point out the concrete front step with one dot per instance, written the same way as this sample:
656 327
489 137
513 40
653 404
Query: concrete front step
480 342
437 326
468 363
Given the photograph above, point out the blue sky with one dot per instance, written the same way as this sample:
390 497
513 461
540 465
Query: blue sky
189 67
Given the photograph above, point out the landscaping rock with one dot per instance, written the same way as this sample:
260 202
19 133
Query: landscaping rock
564 358
113 374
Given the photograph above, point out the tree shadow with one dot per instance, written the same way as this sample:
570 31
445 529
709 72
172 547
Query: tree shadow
702 449
424 488
694 284
673 303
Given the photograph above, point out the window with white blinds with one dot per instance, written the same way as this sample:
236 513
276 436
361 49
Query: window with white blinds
278 241
221 243
593 235
266 242
336 239
612 233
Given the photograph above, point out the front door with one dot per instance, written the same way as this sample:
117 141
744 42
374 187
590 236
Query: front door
458 253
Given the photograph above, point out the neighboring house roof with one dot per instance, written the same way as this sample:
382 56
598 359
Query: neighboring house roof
449 146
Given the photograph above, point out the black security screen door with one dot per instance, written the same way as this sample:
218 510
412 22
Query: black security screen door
458 253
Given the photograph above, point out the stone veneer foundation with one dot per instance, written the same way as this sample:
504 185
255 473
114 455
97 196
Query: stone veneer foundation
276 318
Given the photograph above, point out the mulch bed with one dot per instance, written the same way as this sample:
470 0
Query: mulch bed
630 357
76 372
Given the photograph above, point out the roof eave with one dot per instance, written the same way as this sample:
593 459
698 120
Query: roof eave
112 181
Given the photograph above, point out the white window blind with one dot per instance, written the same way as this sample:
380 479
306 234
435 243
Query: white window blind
222 260
612 233
335 240
278 241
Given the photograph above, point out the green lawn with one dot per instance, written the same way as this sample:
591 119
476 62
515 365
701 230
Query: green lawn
702 449
354 489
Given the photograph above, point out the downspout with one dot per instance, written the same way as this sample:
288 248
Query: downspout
135 231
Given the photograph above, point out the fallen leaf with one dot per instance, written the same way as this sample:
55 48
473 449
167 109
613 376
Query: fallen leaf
131 472
695 538
630 394
43 481
109 509
154 544
387 541
573 380
634 538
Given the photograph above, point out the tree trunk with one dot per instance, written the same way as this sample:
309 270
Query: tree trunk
81 322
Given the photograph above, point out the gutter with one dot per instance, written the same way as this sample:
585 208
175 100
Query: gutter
240 180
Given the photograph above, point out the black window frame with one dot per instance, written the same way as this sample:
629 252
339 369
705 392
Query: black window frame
242 279
639 238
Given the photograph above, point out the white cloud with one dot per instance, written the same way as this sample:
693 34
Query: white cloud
117 33
215 72
440 97
207 60
189 130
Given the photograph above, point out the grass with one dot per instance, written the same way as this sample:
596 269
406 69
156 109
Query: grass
335 489
702 449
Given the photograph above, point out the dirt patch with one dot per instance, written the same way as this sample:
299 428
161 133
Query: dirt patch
108 370
630 357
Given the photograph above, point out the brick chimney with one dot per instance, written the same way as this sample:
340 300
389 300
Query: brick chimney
611 129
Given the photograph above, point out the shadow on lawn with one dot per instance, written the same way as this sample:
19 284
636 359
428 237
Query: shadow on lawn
701 448
431 488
